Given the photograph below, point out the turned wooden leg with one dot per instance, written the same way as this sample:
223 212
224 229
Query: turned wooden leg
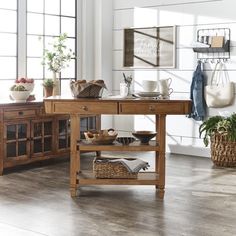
1 165
73 192
160 156
161 192
74 154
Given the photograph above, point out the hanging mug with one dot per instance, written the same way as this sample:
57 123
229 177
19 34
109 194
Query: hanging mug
164 86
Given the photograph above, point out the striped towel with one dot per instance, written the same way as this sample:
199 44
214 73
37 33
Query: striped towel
133 166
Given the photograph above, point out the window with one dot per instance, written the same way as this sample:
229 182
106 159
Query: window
31 25
8 44
52 18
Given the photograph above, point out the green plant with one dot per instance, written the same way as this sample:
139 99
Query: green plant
18 88
59 56
48 83
218 124
128 81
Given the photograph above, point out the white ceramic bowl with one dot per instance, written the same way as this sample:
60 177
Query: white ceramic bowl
149 85
20 96
28 86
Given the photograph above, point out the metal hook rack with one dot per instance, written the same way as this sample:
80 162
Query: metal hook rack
213 54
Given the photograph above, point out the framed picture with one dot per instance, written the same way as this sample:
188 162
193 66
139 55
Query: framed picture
150 47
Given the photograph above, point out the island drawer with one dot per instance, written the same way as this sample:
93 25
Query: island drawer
151 108
86 108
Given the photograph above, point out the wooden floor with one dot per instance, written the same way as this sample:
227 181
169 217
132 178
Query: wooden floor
200 200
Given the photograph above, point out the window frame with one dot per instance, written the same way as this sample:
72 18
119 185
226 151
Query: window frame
44 35
21 43
16 37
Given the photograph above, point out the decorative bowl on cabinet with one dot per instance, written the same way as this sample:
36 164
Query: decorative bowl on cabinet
20 96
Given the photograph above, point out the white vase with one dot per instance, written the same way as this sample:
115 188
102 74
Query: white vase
56 88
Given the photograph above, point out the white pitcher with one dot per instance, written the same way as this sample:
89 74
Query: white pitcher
164 86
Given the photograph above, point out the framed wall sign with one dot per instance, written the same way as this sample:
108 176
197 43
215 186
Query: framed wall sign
150 47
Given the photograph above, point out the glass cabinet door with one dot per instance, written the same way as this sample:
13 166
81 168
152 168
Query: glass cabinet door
16 144
63 129
42 137
87 123
63 134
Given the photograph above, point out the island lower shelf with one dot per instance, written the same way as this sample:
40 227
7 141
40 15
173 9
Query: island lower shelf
87 177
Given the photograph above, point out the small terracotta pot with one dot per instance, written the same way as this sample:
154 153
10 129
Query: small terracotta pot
48 91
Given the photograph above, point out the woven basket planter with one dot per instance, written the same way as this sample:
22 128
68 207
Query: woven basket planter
90 89
223 151
111 170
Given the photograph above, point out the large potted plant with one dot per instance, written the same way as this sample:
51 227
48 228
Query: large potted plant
57 58
221 131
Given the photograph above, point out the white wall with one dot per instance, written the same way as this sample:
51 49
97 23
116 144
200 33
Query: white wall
188 16
95 44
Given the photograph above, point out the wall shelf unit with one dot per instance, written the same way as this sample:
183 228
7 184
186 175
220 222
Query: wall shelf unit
217 43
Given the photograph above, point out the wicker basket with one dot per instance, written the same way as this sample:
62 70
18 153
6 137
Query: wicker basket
223 151
111 170
84 89
102 137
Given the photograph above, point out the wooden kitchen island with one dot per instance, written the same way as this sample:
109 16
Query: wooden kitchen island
78 107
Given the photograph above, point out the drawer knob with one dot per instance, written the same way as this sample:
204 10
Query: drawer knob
84 108
20 113
151 108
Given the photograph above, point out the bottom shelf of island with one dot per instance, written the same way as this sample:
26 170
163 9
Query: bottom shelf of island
144 178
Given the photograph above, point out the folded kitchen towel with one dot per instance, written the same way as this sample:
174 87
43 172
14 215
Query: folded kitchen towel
134 165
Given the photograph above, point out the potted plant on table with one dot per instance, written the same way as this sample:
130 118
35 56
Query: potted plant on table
48 85
222 133
57 58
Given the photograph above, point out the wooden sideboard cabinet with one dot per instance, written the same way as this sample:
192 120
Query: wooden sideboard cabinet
28 134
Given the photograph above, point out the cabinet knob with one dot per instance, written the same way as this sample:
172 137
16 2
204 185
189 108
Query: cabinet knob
84 108
151 108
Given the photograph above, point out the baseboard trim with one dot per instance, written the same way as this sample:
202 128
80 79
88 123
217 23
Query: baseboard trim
189 150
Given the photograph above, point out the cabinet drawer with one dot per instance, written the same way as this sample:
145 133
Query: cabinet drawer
86 108
152 108
15 114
